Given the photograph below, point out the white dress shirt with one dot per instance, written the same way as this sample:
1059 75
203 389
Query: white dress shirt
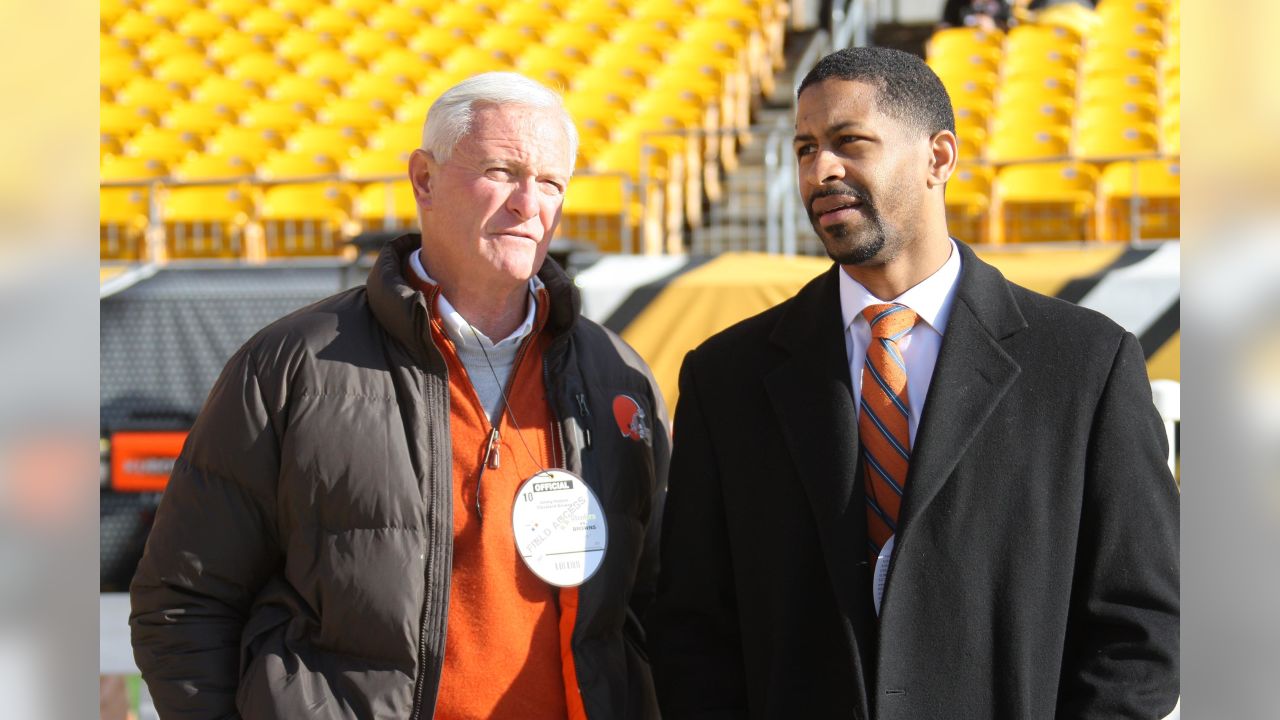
931 300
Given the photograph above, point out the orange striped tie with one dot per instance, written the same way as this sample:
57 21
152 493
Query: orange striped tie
883 427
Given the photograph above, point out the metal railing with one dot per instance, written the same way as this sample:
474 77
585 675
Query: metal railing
254 237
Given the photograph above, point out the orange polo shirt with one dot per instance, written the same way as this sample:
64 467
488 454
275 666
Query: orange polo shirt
505 635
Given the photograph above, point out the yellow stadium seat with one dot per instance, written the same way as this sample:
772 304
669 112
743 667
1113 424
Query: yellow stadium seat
281 116
968 200
1037 36
465 17
295 8
554 66
601 209
1040 71
641 60
978 89
1140 200
305 219
1116 111
300 43
377 165
288 166
331 20
235 95
197 117
207 166
974 115
1036 113
432 43
971 143
233 9
264 21
109 11
115 72
505 37
366 7
203 25
1050 89
232 44
116 120
962 40
122 222
336 142
398 63
136 26
1123 13
1139 31
206 221
330 65
654 36
312 92
108 145
262 68
1044 202
470 60
388 89
367 44
122 168
605 13
414 108
1117 141
397 136
1171 136
398 19
583 39
1117 60
251 144
969 64
386 206
167 44
358 113
1023 143
528 13
163 144
625 82
149 93
167 10
670 12
1136 81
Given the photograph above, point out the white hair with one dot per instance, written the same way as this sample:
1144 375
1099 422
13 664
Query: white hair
451 115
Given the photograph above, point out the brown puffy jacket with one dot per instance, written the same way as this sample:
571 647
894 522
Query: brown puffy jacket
300 558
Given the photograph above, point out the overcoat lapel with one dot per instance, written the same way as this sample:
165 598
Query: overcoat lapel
811 394
972 374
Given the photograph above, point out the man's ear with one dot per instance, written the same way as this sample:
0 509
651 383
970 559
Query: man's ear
943 153
421 165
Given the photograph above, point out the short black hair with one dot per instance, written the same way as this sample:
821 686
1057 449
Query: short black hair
909 89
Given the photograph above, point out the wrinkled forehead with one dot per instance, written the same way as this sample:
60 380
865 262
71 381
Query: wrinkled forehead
533 134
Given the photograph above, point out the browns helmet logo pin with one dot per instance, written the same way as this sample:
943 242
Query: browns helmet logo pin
630 418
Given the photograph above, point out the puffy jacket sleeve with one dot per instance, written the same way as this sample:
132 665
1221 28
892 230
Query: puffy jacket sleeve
212 547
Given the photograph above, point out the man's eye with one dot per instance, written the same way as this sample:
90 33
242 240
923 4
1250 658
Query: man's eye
498 173
803 150
551 187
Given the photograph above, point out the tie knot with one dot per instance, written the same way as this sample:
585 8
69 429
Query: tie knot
889 320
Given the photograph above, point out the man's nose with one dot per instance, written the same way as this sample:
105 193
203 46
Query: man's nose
826 167
523 200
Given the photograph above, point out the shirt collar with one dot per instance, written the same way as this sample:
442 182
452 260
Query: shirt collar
931 298
461 331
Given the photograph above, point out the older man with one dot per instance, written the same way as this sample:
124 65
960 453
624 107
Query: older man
914 490
432 496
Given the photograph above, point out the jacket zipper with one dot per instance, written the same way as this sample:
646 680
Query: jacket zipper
586 420
420 685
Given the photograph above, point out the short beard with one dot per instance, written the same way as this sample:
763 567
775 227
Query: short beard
842 243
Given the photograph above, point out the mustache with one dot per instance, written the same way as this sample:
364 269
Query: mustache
843 190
